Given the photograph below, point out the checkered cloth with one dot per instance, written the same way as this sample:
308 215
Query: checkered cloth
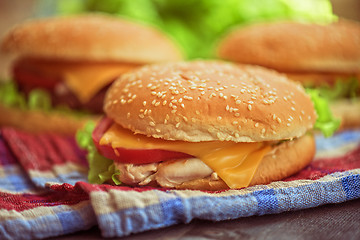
44 191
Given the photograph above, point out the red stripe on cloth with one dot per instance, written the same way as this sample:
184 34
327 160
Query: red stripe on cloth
29 152
324 166
41 152
21 202
6 156
69 150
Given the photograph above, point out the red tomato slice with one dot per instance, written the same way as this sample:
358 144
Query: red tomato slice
125 155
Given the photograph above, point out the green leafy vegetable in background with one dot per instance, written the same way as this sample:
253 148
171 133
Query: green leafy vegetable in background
325 122
348 88
101 169
197 24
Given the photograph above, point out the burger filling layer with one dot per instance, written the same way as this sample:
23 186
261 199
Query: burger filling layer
70 83
235 163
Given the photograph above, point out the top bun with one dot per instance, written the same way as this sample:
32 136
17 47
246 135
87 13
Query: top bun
296 47
210 101
90 37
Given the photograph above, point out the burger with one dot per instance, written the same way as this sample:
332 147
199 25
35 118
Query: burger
321 57
68 63
207 125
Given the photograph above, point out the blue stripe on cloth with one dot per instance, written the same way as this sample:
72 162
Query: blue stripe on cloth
351 186
14 179
338 140
49 225
266 200
173 211
183 206
127 221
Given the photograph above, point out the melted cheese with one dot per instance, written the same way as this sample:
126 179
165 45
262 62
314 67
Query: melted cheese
84 79
235 163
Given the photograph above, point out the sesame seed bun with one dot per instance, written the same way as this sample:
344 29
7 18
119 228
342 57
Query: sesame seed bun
91 38
38 121
210 101
312 54
283 161
296 47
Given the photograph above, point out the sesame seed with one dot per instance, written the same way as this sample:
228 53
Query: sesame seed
249 107
292 108
141 115
144 103
235 122
157 104
288 124
238 102
177 125
274 116
278 120
219 118
263 131
164 102
256 125
152 124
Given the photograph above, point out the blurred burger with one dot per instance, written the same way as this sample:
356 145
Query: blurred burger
204 125
325 57
69 62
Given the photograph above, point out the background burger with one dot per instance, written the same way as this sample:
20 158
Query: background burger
325 57
70 62
201 125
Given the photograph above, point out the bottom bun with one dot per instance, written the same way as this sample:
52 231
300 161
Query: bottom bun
348 111
283 161
37 121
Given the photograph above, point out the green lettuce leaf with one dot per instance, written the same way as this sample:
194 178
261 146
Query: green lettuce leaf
37 99
325 122
197 24
101 169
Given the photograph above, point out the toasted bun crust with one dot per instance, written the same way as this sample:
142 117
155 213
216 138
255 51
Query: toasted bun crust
36 121
285 160
318 79
91 38
210 101
348 111
293 46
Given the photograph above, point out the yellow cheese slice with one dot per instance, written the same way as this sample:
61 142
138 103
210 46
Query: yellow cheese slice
235 163
84 79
